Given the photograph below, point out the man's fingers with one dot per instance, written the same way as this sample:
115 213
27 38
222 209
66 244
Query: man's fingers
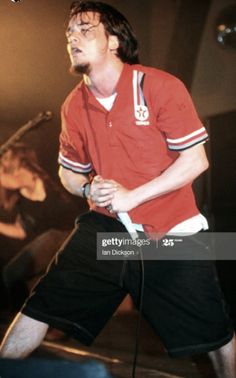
106 185
104 199
106 204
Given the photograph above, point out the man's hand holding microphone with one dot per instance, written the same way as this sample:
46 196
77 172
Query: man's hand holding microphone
115 198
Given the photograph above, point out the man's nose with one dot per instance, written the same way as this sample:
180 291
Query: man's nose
74 38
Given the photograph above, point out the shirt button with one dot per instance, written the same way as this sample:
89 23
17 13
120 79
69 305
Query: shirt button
110 124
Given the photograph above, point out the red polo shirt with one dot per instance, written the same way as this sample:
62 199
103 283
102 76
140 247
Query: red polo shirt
152 118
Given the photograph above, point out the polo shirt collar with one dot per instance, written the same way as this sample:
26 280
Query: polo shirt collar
126 73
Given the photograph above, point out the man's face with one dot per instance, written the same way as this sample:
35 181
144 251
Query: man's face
88 45
10 181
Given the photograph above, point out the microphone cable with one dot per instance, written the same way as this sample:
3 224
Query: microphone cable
138 326
125 219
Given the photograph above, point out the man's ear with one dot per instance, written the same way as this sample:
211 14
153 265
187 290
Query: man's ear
113 42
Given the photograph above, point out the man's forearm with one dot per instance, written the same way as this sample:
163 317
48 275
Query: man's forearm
73 182
182 172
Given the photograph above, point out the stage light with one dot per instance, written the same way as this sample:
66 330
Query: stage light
226 27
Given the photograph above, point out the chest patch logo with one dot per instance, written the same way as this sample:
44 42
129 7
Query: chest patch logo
141 115
141 111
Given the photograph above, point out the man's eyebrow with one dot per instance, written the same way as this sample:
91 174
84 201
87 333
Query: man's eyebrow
70 29
83 23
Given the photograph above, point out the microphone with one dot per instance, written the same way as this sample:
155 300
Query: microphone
125 219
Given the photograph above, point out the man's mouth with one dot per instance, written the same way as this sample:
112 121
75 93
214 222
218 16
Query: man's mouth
75 51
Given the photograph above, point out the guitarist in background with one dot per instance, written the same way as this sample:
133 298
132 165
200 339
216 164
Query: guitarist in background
44 215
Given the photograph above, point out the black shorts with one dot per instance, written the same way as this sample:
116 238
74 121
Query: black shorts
182 300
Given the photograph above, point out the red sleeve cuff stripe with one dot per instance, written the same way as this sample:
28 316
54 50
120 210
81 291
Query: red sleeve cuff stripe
74 166
186 138
183 146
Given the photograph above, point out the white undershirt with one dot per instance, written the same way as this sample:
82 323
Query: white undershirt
188 227
107 102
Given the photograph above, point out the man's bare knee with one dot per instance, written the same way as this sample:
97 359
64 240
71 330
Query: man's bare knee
23 336
223 360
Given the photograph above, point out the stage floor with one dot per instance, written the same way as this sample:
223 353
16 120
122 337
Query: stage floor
114 347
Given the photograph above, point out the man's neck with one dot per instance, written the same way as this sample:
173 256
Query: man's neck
103 82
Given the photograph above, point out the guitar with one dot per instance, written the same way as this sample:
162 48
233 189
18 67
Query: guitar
40 117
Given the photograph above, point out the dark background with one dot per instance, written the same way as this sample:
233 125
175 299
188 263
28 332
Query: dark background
174 35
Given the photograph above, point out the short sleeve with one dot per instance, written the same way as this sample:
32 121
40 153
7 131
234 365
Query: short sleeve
177 117
72 152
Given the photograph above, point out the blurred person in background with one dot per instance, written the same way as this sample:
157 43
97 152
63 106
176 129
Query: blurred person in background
43 214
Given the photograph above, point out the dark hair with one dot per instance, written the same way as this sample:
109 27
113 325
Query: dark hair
8 198
18 156
115 24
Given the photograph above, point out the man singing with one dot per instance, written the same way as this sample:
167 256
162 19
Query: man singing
131 141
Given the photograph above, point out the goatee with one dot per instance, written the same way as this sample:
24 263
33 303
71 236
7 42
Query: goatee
80 69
